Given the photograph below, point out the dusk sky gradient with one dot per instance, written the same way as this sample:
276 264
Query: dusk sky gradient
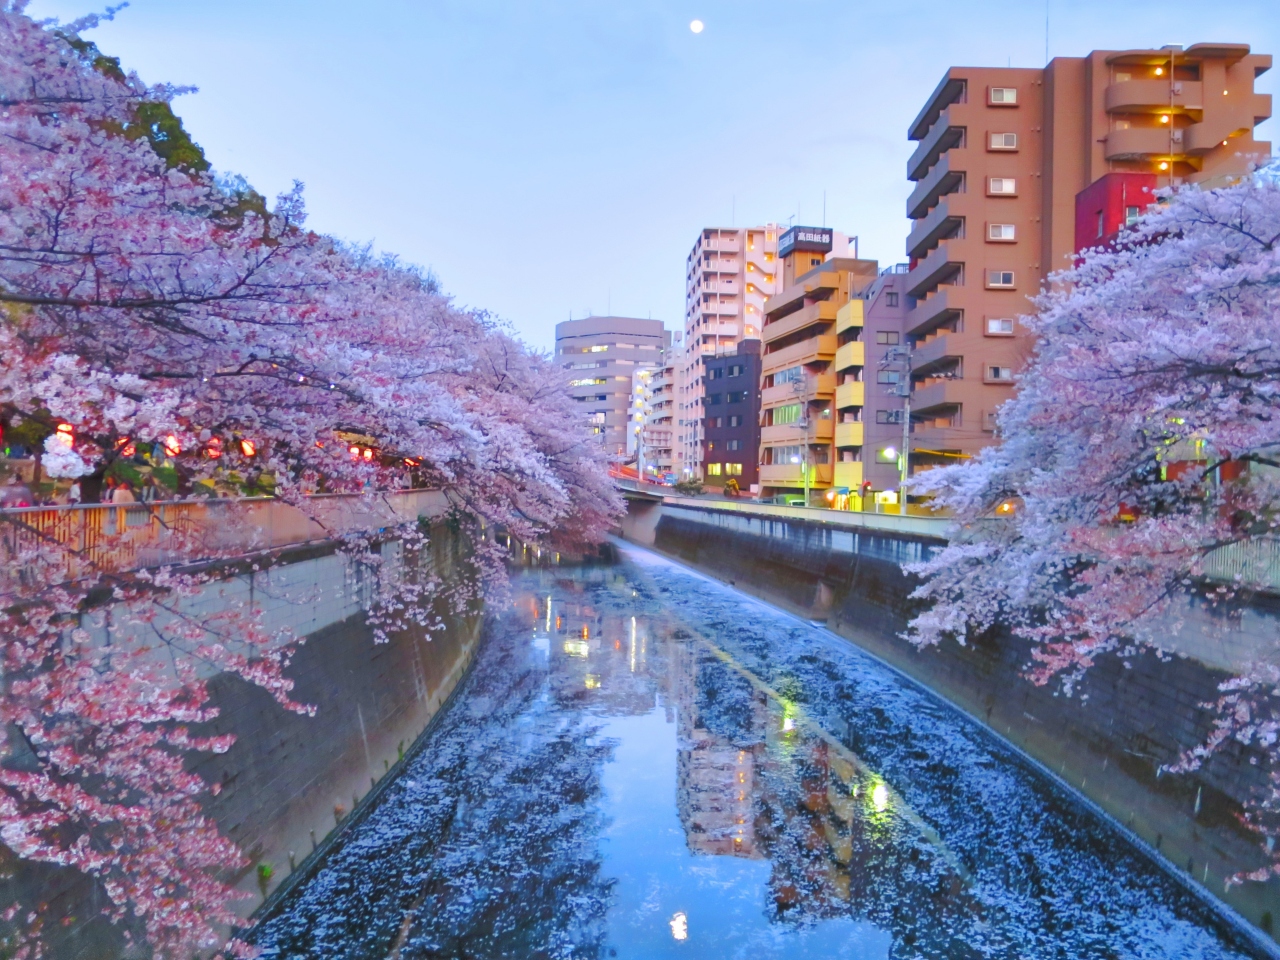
549 159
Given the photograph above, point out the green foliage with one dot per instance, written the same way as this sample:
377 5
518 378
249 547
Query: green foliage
690 488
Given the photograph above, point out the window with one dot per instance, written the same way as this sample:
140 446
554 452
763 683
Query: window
713 399
1000 373
1102 224
1002 186
716 421
735 396
989 421
587 383
736 370
1003 141
999 327
1004 96
733 445
1000 279
888 376
713 469
1001 231
733 469
781 455
597 417
790 413
815 261
789 375
889 337
891 299
714 374
1131 215
888 416
598 349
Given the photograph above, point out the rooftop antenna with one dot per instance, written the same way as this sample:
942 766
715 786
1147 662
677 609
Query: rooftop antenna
1046 32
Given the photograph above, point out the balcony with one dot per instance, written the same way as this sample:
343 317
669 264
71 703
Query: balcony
1140 142
719 309
944 136
790 475
947 92
851 395
849 435
822 280
718 330
1154 96
721 265
937 396
932 271
851 355
823 311
942 179
790 433
941 308
848 475
813 350
810 388
851 316
940 224
938 352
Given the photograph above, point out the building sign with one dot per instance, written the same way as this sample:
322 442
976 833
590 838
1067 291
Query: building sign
817 239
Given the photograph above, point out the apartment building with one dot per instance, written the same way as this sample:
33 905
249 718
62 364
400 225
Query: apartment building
885 306
599 355
729 274
731 444
812 335
658 436
1001 155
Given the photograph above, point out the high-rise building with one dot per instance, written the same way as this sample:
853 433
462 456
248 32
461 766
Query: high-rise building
729 274
1001 156
731 443
812 369
599 356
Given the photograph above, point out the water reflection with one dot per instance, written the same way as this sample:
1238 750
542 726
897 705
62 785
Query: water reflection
643 765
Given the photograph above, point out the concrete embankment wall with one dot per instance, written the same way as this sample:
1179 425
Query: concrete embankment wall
288 779
1130 717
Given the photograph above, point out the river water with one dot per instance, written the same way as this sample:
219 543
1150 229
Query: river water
643 763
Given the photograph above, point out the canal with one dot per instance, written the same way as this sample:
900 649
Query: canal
644 763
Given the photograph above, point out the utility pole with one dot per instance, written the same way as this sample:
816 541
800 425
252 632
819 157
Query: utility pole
801 388
899 359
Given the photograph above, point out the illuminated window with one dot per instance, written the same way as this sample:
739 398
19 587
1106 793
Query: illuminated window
790 413
713 469
733 469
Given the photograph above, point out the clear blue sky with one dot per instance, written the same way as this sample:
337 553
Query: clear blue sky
561 156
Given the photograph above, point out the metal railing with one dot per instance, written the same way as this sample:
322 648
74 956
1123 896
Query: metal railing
1253 564
128 536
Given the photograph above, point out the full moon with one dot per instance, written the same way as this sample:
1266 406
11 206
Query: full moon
696 26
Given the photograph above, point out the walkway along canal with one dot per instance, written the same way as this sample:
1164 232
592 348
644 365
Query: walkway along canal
645 763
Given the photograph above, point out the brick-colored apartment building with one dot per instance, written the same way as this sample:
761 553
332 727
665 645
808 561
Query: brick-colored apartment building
1001 156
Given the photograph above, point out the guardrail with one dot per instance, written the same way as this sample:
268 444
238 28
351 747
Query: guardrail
134 535
1250 564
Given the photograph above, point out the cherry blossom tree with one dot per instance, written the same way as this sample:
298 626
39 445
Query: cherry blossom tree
1143 440
146 305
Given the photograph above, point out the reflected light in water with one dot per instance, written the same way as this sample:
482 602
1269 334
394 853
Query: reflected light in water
576 648
880 797
680 926
591 681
